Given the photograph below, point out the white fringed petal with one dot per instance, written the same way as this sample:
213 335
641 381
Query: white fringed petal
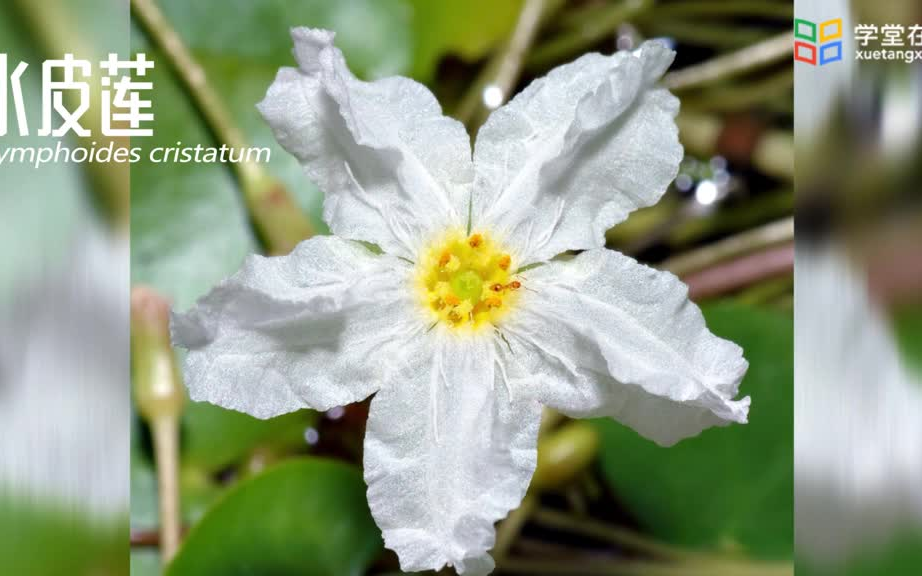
575 152
602 335
393 168
307 330
447 454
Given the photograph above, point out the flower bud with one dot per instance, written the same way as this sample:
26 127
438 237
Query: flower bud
158 390
564 454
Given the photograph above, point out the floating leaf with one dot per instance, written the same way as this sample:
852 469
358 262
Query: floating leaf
306 516
214 438
729 487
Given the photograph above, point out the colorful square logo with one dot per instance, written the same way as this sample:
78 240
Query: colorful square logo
810 51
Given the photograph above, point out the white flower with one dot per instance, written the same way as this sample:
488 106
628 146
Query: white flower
64 402
464 327
858 435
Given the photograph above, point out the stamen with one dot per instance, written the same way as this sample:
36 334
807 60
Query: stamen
465 281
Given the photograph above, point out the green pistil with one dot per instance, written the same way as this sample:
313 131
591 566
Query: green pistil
467 285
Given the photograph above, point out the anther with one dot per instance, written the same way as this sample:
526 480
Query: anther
467 281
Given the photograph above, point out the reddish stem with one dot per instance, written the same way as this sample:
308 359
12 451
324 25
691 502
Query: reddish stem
743 271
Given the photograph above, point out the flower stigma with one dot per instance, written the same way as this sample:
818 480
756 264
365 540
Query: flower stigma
466 281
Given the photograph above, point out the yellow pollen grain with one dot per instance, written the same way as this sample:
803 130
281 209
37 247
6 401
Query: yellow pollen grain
464 280
464 308
453 264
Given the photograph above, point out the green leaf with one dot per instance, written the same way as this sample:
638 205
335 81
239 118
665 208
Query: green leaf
188 227
39 538
371 33
214 438
306 516
468 28
907 322
729 487
900 558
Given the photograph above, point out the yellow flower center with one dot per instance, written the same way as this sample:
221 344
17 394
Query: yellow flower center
466 280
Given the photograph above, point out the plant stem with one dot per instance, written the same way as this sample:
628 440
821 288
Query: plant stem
275 215
621 537
702 34
159 396
597 25
526 28
722 8
742 96
732 64
744 271
733 246
768 291
511 527
166 451
758 210
504 68
192 76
